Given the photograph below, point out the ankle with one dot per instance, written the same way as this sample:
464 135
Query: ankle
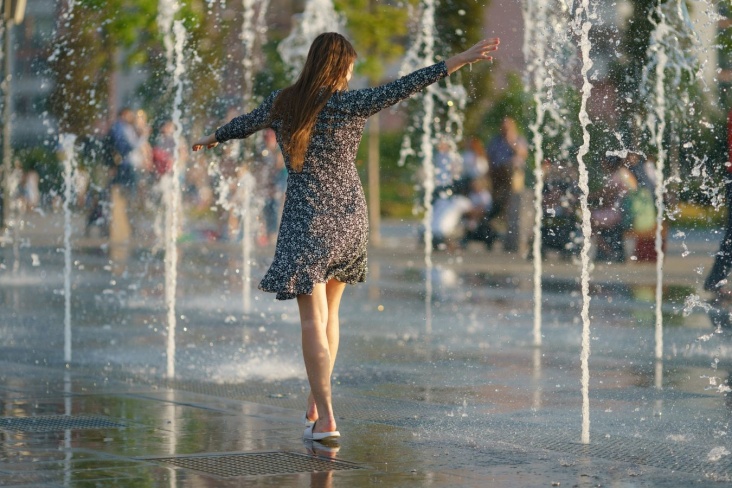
311 414
325 425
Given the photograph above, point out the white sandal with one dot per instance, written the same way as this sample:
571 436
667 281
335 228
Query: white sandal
309 435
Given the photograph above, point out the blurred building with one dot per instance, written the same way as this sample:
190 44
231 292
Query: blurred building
32 81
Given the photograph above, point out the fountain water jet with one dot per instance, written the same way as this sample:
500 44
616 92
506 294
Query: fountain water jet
67 142
248 185
174 38
548 52
421 53
535 30
671 38
582 26
425 42
319 16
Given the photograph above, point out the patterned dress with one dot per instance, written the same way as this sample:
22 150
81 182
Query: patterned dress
324 228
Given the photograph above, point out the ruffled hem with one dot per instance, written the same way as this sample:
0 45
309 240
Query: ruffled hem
302 283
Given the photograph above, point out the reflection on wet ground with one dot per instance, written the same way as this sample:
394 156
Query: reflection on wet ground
467 401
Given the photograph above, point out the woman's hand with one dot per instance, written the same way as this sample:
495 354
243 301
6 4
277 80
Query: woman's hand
481 51
208 141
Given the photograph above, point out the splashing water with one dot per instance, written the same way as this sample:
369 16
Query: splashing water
535 31
582 26
319 16
660 111
6 186
421 53
533 54
669 53
425 43
549 54
707 186
174 40
253 27
67 141
247 183
247 36
166 14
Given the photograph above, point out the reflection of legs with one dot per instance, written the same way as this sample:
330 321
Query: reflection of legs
320 339
513 225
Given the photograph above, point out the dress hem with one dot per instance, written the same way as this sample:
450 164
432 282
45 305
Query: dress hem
289 295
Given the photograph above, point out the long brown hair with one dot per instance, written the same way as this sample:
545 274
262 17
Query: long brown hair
298 105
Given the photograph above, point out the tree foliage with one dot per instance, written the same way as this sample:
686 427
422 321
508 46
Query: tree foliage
378 30
94 39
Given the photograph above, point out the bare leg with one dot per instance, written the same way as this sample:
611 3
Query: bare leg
333 291
318 336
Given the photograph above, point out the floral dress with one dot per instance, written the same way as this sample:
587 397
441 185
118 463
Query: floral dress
324 229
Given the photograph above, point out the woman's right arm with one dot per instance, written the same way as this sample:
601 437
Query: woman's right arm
239 127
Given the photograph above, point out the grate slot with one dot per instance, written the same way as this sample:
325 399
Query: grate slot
53 423
256 464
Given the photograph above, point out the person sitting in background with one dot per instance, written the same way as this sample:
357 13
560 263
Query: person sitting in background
447 215
560 223
448 168
475 164
478 219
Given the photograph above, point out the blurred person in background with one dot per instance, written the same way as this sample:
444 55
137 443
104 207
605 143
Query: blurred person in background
507 153
717 278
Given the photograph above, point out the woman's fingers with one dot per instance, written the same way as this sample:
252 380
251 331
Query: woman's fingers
482 49
200 145
491 41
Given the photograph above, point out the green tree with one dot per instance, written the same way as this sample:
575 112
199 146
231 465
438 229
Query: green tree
96 39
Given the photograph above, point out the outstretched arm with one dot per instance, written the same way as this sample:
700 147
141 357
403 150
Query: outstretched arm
239 127
368 101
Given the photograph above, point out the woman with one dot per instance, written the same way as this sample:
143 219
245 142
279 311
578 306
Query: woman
323 234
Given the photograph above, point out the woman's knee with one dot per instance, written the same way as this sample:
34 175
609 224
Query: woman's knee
313 325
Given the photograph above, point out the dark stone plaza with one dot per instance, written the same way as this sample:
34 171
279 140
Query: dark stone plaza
445 390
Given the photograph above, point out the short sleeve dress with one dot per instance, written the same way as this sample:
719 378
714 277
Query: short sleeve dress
324 228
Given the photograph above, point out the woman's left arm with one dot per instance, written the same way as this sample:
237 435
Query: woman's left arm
481 51
368 101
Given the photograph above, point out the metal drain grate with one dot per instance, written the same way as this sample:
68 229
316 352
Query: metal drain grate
53 423
256 464
685 458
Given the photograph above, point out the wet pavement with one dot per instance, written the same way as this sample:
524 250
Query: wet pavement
444 390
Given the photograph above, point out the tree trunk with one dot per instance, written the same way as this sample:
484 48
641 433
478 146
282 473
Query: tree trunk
374 185
112 74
